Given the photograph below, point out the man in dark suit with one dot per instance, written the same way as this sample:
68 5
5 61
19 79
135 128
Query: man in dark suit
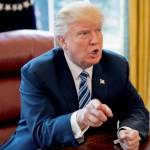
77 87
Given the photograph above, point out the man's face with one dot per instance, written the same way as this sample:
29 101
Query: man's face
83 43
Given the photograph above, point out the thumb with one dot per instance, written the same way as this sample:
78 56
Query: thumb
122 135
96 103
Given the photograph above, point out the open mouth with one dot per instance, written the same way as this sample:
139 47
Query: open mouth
95 51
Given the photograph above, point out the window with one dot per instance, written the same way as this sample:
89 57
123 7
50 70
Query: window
115 28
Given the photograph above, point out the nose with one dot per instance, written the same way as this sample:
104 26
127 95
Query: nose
94 38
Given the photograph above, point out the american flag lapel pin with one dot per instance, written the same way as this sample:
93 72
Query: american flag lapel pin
102 81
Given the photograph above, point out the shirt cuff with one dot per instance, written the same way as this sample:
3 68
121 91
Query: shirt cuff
78 133
119 129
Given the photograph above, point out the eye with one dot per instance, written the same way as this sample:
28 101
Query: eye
83 34
98 30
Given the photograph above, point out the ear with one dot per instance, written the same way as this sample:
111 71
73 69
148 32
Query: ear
62 42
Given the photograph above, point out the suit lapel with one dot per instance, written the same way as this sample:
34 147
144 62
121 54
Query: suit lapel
67 85
99 84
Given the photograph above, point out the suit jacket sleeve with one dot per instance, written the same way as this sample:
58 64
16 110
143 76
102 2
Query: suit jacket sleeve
47 127
133 113
121 96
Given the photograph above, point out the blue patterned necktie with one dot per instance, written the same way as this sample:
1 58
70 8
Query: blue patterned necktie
84 92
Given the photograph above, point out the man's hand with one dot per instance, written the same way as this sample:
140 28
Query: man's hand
129 139
94 114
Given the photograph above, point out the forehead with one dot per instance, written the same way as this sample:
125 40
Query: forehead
83 25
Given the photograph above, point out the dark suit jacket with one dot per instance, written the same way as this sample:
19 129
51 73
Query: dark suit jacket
49 98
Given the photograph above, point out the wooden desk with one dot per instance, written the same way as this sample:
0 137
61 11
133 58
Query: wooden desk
104 141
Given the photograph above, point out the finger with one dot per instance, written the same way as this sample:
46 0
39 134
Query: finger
126 147
100 115
106 110
132 140
99 106
96 110
130 147
93 121
133 135
122 135
131 143
86 118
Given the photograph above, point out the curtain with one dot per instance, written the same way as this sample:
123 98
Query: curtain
17 14
139 47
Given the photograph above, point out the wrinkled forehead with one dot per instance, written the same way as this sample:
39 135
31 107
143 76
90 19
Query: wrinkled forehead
84 25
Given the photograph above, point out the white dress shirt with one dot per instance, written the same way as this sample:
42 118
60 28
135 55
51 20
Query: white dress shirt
75 71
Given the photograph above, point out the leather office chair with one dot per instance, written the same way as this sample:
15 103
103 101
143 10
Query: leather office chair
16 48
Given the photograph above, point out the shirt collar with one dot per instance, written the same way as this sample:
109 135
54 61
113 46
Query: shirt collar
76 70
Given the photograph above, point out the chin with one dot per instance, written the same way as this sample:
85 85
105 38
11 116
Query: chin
96 60
93 63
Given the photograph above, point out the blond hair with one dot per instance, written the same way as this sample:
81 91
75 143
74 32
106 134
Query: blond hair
73 12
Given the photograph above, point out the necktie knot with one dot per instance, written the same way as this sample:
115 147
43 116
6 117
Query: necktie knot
83 75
